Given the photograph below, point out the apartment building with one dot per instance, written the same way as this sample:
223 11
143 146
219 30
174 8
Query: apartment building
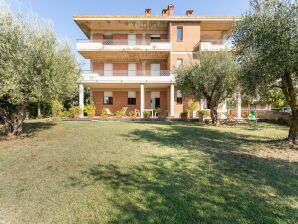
133 58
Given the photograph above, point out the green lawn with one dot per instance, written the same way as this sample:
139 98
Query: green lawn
118 172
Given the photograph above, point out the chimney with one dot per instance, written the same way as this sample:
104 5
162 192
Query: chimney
164 12
147 12
170 10
189 12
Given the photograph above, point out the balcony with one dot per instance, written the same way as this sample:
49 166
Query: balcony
216 45
125 76
124 49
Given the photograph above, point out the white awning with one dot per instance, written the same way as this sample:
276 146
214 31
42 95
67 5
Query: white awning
108 93
131 94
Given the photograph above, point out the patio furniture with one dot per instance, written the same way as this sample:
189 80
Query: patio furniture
151 111
138 113
108 111
123 110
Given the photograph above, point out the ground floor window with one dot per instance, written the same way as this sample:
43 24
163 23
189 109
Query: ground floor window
179 97
132 100
108 98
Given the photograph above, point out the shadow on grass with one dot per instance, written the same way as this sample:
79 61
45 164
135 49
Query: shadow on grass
30 129
209 181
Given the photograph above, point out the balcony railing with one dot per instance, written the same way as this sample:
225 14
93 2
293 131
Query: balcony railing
128 72
215 45
121 44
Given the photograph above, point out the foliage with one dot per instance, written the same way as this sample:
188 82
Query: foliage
75 111
266 43
184 114
132 114
274 97
119 113
157 110
39 116
90 109
192 106
65 114
214 78
205 112
34 66
145 113
231 103
104 112
56 108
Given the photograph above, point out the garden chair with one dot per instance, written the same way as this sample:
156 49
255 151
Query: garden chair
124 109
138 113
108 111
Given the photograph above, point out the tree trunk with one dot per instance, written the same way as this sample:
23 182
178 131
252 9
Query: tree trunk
13 123
290 94
213 111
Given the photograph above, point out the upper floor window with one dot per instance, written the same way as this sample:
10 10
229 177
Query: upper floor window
108 98
155 37
179 33
132 98
179 97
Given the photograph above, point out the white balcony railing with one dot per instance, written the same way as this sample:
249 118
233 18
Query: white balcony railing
215 45
128 72
163 76
124 44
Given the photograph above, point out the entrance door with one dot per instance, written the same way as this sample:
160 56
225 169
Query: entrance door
108 70
155 100
155 69
132 39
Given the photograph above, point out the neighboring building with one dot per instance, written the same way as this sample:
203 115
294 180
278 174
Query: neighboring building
133 58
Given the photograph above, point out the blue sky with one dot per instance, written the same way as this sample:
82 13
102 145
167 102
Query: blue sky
61 11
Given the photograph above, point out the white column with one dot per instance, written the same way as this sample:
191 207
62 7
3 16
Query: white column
81 99
202 104
172 94
142 100
239 106
91 95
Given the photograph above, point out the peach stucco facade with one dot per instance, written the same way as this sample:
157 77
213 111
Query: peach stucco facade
133 58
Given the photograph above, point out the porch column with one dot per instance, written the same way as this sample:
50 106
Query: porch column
239 105
81 99
142 100
91 95
172 94
202 104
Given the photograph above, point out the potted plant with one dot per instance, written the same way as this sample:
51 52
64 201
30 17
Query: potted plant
184 115
104 113
119 114
157 111
192 107
132 114
146 114
90 109
75 111
203 114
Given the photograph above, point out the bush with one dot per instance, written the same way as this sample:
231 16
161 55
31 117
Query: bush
132 114
39 117
74 111
192 106
205 112
56 108
65 113
90 109
104 112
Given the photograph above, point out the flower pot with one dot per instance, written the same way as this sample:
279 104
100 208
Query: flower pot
183 116
104 116
119 116
146 116
91 115
133 117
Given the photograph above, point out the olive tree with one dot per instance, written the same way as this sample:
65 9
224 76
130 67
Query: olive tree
34 66
266 44
213 78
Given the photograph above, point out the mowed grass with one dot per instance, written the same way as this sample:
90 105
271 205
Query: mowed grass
119 172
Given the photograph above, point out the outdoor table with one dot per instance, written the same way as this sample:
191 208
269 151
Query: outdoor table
150 110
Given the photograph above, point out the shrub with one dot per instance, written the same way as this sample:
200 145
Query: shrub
39 116
119 113
205 112
132 114
90 109
56 108
192 106
65 113
104 112
74 111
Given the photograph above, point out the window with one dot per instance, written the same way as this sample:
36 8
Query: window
108 98
179 97
179 62
132 98
179 33
155 38
132 69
